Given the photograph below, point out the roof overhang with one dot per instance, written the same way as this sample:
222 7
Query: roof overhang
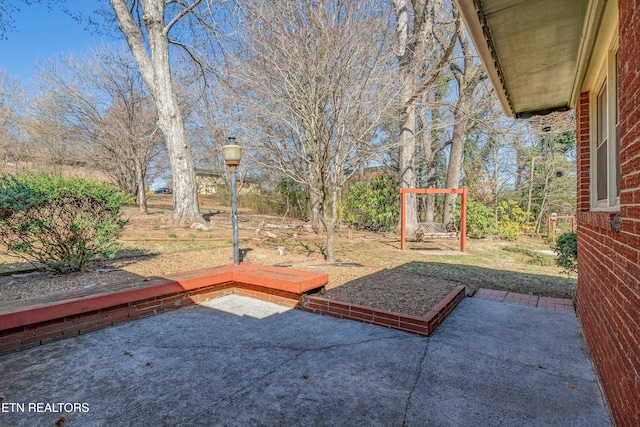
535 51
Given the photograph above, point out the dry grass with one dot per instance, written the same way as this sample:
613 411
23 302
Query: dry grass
408 280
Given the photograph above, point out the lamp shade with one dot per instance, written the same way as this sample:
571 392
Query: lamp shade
232 154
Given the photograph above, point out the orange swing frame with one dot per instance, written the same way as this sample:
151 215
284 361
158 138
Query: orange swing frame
463 211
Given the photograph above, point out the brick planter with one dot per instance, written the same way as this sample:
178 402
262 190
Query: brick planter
420 325
37 321
40 320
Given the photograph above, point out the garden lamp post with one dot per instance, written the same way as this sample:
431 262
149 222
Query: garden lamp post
232 154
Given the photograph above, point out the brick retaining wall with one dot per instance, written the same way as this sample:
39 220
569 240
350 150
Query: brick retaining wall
420 325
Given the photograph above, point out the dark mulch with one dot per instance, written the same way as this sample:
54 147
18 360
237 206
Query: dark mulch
394 290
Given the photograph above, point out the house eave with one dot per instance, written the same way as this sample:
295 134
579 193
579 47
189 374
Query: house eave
541 112
535 53
473 19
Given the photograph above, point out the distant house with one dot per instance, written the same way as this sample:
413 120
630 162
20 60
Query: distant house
551 55
368 173
210 182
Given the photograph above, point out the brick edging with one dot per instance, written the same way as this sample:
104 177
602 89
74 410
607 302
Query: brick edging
41 320
74 323
32 335
420 325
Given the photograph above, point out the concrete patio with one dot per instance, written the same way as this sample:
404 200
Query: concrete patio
238 361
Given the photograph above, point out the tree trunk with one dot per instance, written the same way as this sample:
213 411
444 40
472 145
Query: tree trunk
407 165
415 32
330 225
533 169
315 211
455 158
142 194
430 212
430 141
330 229
156 73
468 79
407 141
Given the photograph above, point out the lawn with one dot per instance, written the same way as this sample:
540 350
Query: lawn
154 246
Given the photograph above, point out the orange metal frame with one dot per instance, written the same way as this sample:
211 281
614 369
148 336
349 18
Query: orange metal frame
463 211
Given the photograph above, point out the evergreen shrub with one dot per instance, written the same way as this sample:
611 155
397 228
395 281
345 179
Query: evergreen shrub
59 223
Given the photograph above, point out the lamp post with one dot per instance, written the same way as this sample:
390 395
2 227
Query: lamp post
232 154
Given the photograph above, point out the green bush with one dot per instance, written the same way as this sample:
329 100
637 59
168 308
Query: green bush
481 221
59 223
373 205
567 249
512 221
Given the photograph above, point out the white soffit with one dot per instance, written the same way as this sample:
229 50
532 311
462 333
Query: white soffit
531 49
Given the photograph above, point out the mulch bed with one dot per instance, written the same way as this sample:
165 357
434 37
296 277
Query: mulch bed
394 290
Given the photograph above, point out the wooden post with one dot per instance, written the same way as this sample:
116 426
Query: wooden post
463 221
554 227
402 219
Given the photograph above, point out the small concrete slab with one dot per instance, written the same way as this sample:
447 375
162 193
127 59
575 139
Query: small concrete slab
244 362
244 306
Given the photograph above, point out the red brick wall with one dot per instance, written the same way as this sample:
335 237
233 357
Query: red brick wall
582 166
608 298
425 325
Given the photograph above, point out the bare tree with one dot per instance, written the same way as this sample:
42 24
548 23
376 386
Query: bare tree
53 143
12 100
104 102
129 133
146 26
313 80
420 60
551 186
468 73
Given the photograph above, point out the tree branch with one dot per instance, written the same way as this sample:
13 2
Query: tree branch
180 15
443 59
133 36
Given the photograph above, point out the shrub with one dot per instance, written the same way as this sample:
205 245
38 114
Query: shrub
481 221
512 220
373 205
509 230
567 249
59 223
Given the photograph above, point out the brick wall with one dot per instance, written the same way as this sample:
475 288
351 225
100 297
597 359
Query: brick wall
582 155
608 298
420 325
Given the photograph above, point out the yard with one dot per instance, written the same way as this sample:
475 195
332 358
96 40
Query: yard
371 268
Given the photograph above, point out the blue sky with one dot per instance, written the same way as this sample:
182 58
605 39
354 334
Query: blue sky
41 33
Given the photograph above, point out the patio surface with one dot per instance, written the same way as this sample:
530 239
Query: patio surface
237 361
